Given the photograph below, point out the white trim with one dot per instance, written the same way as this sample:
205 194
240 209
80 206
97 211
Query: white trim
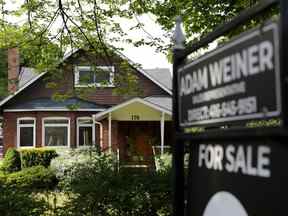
162 129
101 132
19 126
56 125
140 100
109 133
111 70
132 64
55 109
85 125
21 89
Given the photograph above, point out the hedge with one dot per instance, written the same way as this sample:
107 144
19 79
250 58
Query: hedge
11 161
32 178
37 156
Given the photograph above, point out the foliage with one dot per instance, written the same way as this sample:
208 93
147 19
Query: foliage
36 177
99 189
11 161
163 162
37 156
68 158
17 202
203 16
49 29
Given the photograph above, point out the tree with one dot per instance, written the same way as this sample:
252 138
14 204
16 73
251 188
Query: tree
201 17
46 29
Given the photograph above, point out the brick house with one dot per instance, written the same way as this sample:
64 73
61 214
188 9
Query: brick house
124 124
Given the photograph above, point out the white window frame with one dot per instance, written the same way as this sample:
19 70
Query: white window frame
56 125
85 125
19 126
111 69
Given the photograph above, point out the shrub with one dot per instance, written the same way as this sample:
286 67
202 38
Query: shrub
69 158
36 177
101 190
17 202
37 156
11 161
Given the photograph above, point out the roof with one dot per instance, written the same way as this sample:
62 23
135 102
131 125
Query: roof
131 101
164 102
22 88
26 74
47 104
160 77
163 75
156 78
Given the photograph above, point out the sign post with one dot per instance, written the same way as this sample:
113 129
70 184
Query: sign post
231 106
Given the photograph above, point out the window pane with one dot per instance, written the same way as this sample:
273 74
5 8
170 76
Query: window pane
56 136
26 121
85 77
56 121
85 136
26 136
103 75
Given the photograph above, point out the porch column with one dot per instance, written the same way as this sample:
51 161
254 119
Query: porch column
162 132
109 133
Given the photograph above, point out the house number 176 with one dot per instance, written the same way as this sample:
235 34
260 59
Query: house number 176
135 117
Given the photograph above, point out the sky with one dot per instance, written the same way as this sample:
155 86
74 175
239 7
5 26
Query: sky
145 55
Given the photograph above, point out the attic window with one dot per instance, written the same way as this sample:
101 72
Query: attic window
100 76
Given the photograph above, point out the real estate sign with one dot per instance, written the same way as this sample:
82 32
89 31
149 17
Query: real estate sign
238 178
238 81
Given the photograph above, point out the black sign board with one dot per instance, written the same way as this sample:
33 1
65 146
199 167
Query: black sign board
239 179
237 82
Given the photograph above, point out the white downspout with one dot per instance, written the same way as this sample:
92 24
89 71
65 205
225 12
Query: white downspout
109 133
101 131
162 132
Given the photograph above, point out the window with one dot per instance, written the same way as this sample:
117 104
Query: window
94 76
26 132
85 131
56 131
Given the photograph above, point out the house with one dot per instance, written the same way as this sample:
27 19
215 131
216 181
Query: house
125 124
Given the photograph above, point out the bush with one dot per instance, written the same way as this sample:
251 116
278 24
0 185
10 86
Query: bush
37 156
100 189
37 177
17 202
69 158
11 161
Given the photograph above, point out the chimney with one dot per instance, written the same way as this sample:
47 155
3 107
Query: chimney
13 69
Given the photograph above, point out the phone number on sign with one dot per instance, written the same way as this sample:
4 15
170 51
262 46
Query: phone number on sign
231 108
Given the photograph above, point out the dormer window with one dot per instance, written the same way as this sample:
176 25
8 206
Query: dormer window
99 76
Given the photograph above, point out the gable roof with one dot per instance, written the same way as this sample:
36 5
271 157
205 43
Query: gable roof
29 76
155 79
131 101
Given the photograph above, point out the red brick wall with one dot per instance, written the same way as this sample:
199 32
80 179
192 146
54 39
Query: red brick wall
10 126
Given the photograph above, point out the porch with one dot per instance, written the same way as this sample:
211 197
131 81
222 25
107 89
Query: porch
137 130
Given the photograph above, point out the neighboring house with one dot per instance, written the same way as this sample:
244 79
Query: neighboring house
130 126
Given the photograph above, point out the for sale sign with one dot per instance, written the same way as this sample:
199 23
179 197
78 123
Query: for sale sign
237 179
238 81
